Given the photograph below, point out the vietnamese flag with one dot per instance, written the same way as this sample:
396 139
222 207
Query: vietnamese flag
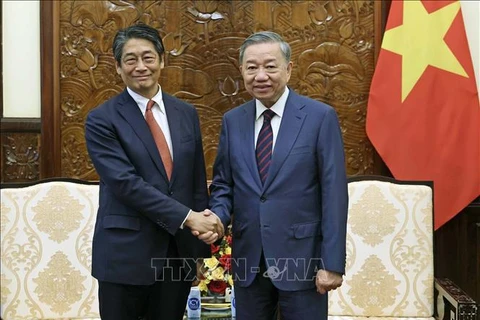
423 113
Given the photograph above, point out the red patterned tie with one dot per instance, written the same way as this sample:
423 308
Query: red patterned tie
159 138
264 145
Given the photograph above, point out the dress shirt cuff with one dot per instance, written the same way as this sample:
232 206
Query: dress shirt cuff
188 214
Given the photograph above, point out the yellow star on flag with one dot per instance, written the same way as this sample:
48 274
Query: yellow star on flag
420 42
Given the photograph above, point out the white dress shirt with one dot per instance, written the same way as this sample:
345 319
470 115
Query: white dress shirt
278 108
158 111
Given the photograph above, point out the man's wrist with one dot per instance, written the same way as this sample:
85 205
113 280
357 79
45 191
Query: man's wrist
185 220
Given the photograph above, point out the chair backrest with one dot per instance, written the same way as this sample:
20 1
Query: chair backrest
389 267
46 234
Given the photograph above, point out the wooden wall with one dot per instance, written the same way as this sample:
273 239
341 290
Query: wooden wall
334 45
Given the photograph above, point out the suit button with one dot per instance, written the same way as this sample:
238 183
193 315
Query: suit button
263 199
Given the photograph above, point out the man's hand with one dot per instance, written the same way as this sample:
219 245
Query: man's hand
205 225
327 280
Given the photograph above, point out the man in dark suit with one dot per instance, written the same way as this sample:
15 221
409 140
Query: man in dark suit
146 147
280 170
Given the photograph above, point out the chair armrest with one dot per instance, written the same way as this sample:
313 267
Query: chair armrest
452 303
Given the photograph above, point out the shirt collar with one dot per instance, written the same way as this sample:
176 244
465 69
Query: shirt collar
278 107
142 101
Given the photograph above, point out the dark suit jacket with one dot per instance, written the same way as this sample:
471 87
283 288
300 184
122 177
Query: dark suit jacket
300 215
140 210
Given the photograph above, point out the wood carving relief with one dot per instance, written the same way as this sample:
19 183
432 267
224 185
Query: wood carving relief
20 157
332 50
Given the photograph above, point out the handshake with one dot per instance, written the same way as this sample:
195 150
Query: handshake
205 225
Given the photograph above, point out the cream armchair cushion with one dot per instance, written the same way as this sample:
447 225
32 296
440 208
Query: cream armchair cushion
46 232
389 267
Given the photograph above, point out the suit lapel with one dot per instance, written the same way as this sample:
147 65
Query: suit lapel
292 121
175 117
247 125
129 110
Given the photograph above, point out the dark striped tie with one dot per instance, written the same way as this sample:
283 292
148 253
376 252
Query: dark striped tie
264 145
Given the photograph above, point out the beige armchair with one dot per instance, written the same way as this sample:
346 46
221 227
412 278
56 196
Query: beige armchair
46 234
389 267
47 228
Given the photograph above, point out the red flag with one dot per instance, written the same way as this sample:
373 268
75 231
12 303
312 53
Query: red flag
423 111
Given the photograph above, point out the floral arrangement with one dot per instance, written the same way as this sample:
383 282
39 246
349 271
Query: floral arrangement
217 270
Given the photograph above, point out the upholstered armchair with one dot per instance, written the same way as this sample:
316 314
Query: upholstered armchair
389 267
46 234
47 227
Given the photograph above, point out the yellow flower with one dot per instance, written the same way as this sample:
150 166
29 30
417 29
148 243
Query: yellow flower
203 286
211 263
218 274
213 270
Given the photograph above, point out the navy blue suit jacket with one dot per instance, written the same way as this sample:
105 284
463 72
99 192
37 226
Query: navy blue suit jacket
299 217
140 210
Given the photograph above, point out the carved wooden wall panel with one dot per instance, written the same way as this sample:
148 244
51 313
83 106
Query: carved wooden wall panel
20 157
333 55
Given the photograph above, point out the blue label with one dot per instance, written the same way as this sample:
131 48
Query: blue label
233 302
193 303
